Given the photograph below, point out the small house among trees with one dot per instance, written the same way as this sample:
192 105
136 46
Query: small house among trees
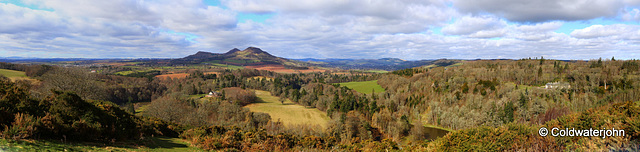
213 94
557 85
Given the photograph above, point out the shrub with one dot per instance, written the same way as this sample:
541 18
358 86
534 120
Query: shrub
24 126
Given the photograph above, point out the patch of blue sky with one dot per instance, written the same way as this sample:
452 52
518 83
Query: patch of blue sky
242 17
260 18
214 3
187 36
22 4
437 30
570 26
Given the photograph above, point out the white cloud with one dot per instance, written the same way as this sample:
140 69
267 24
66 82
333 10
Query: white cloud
317 29
541 27
631 15
478 27
384 16
545 10
597 31
67 36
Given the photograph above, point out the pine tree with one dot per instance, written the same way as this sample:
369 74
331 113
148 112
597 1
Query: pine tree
540 72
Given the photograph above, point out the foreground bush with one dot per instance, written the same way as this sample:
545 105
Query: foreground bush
66 116
518 137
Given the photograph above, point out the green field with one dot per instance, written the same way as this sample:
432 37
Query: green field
232 67
15 75
364 86
124 72
371 71
288 113
457 64
12 73
241 61
149 144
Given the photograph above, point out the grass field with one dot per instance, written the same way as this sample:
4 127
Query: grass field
289 113
12 73
153 144
15 75
364 86
261 77
231 67
455 65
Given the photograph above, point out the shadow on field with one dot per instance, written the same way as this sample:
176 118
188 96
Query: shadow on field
165 142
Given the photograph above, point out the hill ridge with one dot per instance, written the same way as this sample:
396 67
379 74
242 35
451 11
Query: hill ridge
250 56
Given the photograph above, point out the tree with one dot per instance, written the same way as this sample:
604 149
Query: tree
507 112
540 72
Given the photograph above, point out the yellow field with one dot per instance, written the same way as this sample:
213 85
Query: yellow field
288 113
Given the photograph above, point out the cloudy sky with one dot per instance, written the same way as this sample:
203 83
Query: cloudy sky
406 29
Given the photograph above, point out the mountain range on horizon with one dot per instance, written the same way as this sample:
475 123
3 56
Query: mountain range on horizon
256 56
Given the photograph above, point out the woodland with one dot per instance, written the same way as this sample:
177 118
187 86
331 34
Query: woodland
485 105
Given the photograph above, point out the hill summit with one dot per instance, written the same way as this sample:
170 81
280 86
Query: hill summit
235 56
251 53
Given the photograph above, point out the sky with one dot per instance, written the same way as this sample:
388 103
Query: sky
356 29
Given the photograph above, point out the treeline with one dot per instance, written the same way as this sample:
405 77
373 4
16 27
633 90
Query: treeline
117 89
234 138
30 70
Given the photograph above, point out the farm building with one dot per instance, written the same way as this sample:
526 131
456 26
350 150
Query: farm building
557 85
213 94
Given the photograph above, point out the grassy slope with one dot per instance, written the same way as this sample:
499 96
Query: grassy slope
15 75
12 73
364 86
149 144
289 113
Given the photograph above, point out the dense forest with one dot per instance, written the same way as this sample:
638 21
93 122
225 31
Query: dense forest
487 104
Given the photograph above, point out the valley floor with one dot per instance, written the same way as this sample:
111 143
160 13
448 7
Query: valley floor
288 112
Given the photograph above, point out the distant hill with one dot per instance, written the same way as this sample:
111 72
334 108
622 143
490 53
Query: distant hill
250 56
253 56
388 64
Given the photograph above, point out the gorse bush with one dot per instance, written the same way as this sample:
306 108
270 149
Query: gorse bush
65 115
521 137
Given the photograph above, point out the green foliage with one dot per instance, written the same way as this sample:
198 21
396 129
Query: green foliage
630 66
596 64
507 112
491 84
409 72
364 86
